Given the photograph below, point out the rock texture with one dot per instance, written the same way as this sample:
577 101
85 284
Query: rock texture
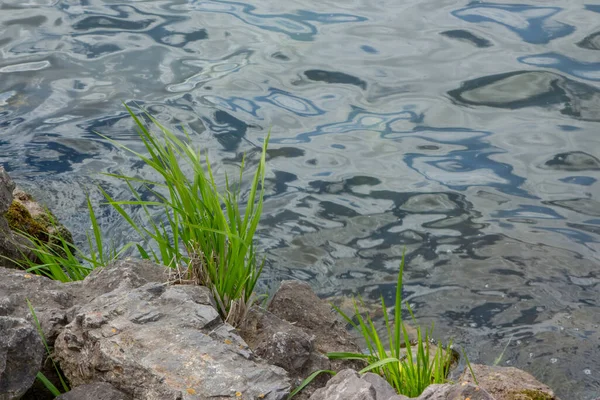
346 385
21 354
508 383
94 391
163 342
50 299
296 303
296 333
10 246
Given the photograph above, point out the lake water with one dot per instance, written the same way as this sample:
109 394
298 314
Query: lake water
466 132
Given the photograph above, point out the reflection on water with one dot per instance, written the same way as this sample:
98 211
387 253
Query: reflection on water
465 132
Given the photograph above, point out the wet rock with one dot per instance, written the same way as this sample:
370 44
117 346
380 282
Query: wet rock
94 391
508 383
21 354
155 342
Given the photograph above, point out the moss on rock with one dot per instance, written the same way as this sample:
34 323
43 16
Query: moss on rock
19 219
26 215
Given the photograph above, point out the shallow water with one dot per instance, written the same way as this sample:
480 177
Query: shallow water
467 132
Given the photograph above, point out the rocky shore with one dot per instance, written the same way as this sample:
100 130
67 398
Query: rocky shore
127 331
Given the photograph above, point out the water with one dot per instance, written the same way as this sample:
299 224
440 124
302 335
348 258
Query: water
467 132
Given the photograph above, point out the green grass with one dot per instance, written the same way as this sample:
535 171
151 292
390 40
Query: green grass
59 259
203 232
408 367
40 376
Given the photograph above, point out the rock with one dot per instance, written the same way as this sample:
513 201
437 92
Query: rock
11 247
278 341
50 299
21 355
163 342
296 303
6 190
346 385
508 383
383 390
94 391
118 275
453 391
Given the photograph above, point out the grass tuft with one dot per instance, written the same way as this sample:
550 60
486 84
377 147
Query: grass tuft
407 366
203 229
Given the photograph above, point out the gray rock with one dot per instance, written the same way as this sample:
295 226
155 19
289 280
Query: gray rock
454 391
21 355
10 246
163 342
122 275
6 190
94 391
508 383
296 303
50 299
383 390
346 385
278 341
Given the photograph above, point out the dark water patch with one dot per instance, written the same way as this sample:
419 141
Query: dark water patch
520 89
466 36
573 161
590 42
585 206
541 27
334 77
584 70
36 20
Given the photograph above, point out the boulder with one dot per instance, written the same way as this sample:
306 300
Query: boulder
453 392
296 303
94 391
282 343
50 299
119 275
21 355
508 383
163 342
348 385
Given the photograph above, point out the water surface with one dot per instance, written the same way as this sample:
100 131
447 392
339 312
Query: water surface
466 132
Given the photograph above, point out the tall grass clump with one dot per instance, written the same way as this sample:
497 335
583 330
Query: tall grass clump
201 230
409 367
